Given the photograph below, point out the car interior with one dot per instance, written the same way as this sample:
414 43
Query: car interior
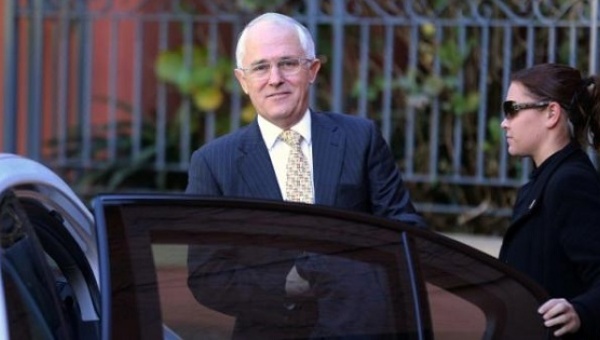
47 272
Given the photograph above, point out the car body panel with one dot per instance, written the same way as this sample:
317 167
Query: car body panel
31 179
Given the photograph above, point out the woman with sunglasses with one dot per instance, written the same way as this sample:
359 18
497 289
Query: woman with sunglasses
551 115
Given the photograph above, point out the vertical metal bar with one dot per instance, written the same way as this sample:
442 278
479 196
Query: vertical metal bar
388 62
112 86
482 115
35 80
409 129
161 100
337 77
183 115
458 120
210 119
530 45
572 44
312 14
62 80
11 81
552 44
434 122
137 116
594 37
236 94
84 103
363 70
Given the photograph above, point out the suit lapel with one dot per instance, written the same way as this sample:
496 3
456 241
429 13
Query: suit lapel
328 154
254 166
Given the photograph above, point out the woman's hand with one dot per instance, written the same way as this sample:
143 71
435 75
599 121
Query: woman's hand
560 313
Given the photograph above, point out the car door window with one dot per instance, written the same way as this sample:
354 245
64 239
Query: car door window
432 287
150 247
472 296
179 309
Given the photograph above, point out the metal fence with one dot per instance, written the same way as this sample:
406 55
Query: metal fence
117 94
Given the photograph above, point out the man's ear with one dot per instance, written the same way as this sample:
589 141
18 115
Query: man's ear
239 74
313 70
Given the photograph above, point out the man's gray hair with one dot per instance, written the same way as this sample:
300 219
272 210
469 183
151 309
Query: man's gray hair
306 40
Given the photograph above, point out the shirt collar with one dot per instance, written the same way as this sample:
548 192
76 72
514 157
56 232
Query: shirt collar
270 132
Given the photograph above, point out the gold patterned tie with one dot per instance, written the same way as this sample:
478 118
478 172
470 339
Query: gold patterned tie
298 179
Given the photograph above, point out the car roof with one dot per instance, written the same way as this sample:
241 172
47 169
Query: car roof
16 170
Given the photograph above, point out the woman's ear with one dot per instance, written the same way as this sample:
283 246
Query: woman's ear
554 112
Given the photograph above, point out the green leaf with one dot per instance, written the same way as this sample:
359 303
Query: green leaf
169 66
494 130
433 85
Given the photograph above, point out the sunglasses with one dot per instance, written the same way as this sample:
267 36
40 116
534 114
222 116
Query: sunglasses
511 108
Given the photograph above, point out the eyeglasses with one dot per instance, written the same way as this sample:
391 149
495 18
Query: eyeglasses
511 108
287 67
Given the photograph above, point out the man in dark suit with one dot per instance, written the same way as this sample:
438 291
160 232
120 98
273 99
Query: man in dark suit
350 165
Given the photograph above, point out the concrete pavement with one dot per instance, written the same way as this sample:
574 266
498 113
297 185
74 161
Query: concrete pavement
485 243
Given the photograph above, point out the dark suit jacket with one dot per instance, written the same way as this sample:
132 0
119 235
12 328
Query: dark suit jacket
353 169
554 236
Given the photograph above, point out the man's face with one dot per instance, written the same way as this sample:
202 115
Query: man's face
278 90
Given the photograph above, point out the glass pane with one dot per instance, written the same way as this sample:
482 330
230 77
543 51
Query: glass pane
179 309
241 257
468 323
473 296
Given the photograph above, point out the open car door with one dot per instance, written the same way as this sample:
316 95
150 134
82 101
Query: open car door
432 287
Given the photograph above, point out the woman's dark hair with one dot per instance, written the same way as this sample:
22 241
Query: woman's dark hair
580 97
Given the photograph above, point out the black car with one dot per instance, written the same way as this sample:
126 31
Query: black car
125 275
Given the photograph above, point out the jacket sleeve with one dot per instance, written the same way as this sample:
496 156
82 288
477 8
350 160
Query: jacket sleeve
201 179
577 205
389 196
